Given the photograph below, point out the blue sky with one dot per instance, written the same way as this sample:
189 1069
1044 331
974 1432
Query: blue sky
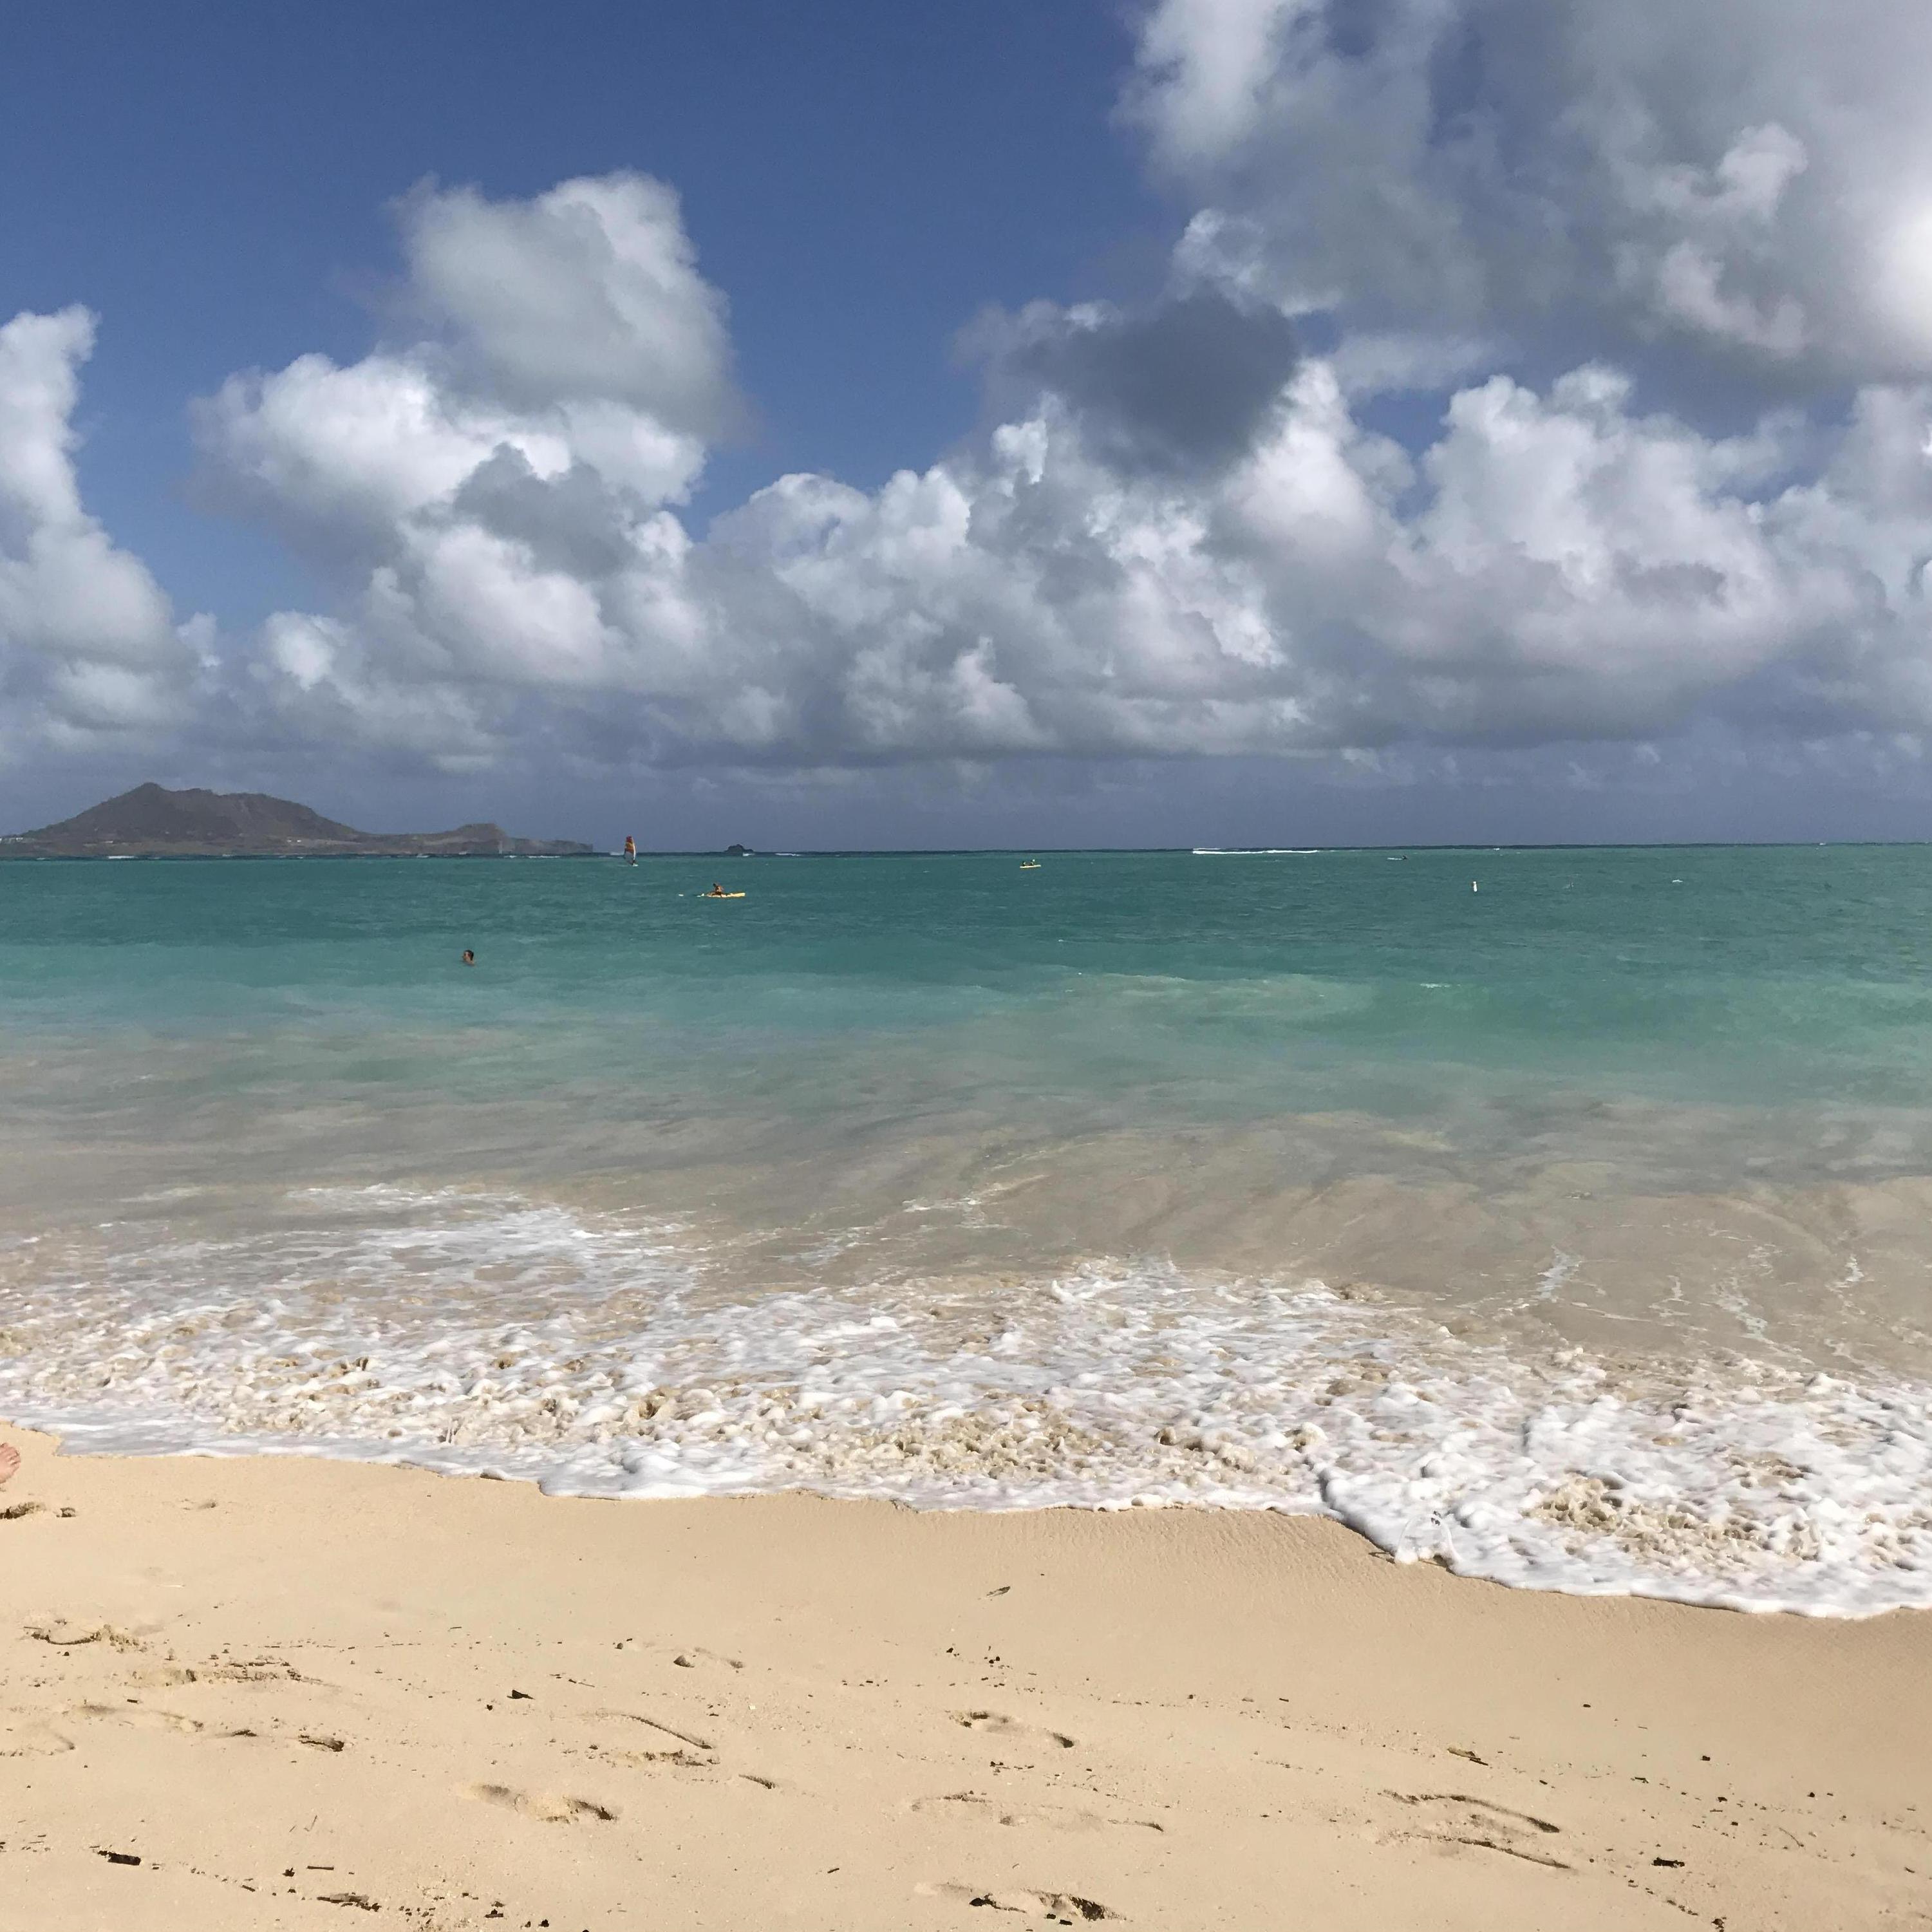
863 178
1194 420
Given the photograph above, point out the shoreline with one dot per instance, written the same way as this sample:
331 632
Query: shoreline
555 1485
294 1687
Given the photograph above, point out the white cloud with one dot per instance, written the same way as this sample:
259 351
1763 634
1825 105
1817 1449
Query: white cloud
574 327
1751 178
588 294
88 644
1102 576
1185 534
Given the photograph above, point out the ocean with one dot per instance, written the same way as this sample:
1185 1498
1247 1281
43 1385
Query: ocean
1573 1231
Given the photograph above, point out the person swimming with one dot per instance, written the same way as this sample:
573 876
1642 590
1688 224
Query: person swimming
469 958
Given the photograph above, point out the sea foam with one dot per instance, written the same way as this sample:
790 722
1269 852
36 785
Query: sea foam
468 1331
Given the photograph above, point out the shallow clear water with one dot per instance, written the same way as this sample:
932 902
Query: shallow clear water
1574 1231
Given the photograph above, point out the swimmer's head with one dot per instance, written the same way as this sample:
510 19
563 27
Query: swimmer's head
469 958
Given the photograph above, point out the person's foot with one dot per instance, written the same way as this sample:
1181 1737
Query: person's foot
10 1461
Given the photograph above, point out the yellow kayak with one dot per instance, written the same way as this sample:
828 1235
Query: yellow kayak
720 895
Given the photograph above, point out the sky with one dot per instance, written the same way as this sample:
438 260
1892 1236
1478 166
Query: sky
1197 421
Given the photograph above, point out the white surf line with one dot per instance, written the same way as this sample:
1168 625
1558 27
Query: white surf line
1557 1275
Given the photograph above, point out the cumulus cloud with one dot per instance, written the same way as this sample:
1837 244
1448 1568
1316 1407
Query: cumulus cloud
1184 540
574 326
1190 527
88 647
589 294
1750 179
1187 381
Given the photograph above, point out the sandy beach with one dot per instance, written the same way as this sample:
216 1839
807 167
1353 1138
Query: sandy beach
1147 1140
257 1692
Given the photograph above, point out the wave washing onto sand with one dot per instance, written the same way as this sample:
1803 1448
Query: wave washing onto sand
467 1332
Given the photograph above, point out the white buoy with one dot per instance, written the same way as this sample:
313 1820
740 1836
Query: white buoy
1474 887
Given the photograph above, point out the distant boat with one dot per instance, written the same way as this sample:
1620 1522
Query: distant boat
1029 865
630 849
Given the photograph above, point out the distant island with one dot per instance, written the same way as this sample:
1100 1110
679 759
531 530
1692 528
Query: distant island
151 822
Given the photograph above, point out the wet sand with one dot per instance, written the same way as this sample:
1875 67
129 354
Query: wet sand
287 1693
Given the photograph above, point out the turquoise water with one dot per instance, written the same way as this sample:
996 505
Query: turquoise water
1053 1157
1217 987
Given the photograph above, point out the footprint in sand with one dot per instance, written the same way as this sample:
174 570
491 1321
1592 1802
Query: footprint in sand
246 1670
31 1737
1454 1818
69 1632
139 1716
1062 1908
684 1747
551 1808
1054 1817
994 1726
161 1677
696 1655
676 1759
218 1670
